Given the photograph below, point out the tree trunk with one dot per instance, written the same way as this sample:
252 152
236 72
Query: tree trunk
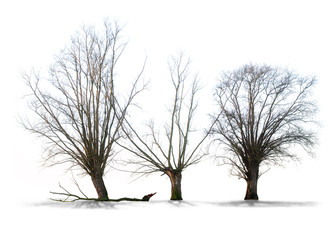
98 182
175 179
252 184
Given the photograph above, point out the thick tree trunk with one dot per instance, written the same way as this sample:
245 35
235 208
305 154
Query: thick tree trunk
252 185
98 182
175 179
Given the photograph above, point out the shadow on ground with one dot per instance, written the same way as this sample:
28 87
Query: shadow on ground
118 205
256 203
77 204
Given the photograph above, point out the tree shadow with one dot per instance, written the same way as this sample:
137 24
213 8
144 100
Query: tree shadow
87 204
84 204
180 203
78 204
264 204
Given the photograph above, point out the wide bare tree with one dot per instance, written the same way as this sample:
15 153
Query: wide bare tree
76 107
169 151
265 113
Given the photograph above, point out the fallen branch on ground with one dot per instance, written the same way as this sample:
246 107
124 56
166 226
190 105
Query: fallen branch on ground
73 197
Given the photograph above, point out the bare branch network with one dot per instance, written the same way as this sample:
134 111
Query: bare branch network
81 116
263 112
170 153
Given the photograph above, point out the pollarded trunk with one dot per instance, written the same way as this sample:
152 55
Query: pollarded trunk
98 182
252 185
175 179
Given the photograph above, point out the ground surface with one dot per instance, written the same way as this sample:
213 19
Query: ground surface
297 202
168 220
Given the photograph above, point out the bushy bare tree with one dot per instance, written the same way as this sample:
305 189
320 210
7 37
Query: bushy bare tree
170 153
77 110
264 113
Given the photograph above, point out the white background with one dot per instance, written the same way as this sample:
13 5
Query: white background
217 35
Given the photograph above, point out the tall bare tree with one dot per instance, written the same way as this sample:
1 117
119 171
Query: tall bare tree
172 153
80 115
264 113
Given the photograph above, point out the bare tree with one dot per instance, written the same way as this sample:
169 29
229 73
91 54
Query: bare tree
264 113
80 116
172 154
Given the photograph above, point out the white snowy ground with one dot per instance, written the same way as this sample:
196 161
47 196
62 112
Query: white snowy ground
296 202
293 211
168 220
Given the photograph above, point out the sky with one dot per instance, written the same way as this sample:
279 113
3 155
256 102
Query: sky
218 36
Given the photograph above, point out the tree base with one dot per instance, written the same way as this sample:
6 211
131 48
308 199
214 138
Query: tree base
175 179
176 195
176 199
251 196
252 186
254 198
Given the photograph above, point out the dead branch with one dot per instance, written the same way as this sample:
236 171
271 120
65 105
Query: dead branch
70 197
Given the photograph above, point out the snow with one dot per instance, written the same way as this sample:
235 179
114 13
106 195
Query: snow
282 212
167 220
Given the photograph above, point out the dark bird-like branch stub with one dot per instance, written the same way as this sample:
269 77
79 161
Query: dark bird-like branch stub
147 197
